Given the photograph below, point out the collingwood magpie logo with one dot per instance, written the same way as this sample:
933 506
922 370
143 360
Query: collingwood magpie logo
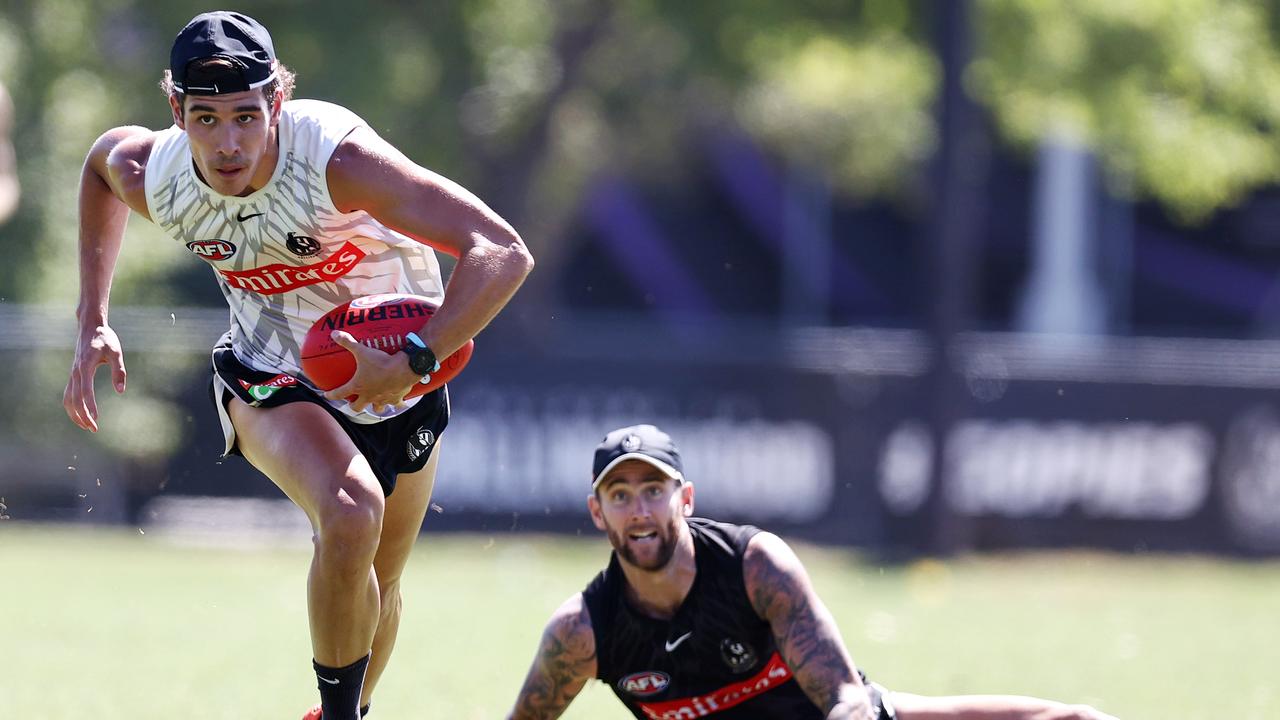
419 443
301 245
739 656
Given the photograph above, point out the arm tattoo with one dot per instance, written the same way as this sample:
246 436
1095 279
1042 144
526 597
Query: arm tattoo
803 628
566 660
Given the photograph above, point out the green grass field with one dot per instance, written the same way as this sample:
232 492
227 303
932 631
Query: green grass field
117 625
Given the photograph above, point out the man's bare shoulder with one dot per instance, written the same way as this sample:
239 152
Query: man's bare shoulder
567 653
128 146
766 551
773 575
362 142
571 623
120 156
363 166
566 660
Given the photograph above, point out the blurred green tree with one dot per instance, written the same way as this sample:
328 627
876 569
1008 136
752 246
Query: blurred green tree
1180 100
525 100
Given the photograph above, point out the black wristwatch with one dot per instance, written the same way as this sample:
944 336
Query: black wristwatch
421 360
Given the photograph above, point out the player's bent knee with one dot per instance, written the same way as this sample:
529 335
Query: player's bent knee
350 528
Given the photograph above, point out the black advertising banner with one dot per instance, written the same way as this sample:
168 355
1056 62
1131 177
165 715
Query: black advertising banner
1117 465
827 434
848 457
758 449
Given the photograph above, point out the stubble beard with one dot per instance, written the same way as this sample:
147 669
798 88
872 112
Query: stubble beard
667 536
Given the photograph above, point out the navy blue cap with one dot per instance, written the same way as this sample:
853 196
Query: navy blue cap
223 34
638 442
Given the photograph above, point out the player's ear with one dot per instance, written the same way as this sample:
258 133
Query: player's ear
686 498
176 108
277 105
593 506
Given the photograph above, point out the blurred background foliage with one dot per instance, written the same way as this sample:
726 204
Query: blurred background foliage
529 102
1181 98
526 100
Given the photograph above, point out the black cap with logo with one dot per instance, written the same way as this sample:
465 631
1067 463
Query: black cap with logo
638 442
232 36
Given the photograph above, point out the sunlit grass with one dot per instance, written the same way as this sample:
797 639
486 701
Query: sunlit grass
116 625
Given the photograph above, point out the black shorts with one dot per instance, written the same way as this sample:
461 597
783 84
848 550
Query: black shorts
399 444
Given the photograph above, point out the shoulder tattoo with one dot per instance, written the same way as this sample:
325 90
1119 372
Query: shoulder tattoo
566 660
805 632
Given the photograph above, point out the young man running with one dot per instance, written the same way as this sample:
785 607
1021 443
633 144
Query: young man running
298 206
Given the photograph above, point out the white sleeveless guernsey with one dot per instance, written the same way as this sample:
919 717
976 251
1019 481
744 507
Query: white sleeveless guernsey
285 255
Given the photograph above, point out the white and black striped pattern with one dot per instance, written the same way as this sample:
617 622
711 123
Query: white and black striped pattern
275 294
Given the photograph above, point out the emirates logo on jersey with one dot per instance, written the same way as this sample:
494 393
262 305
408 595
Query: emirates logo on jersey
644 684
772 675
212 250
280 278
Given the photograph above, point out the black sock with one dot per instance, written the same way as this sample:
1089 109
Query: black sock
340 689
363 711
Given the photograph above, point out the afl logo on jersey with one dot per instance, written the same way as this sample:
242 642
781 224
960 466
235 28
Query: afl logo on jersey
301 245
644 684
212 250
739 656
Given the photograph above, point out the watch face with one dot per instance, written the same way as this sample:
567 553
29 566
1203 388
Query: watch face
415 360
420 360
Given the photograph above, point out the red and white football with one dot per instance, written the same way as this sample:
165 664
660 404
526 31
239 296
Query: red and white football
381 322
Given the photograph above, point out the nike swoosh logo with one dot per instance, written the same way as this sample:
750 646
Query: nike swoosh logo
325 679
242 218
673 645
